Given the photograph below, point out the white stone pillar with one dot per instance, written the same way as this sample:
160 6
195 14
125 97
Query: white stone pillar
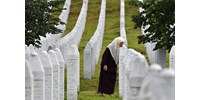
29 86
136 73
163 86
122 63
87 62
72 72
172 58
48 68
31 48
145 91
161 57
61 77
27 52
156 56
56 73
38 74
127 60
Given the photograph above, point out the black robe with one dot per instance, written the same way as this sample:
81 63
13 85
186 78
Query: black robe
107 78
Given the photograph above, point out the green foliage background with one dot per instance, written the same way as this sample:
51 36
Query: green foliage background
40 19
160 16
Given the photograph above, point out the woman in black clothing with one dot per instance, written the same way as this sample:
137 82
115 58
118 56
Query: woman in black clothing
109 63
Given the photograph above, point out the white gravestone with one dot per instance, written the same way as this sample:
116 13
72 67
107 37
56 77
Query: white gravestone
130 55
122 21
48 68
27 52
28 83
56 73
163 86
172 58
145 91
61 68
137 70
72 72
38 74
156 56
87 62
31 48
93 49
122 63
161 57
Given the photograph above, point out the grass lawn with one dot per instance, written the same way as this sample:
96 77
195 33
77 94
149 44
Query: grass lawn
88 88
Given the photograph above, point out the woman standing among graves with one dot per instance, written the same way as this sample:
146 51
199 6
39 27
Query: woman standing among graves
109 63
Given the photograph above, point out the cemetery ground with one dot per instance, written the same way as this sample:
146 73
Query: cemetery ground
88 87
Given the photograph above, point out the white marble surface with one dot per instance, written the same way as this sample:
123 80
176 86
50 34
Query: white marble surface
27 52
145 91
56 74
122 21
29 86
172 58
38 74
87 62
135 69
73 73
48 68
122 64
31 48
163 86
61 77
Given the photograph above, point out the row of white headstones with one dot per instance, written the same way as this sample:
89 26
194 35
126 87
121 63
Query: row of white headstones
93 47
44 75
138 81
49 83
69 48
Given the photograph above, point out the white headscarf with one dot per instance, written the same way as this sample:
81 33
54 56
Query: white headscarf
114 48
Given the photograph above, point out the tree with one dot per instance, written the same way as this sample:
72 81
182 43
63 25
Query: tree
159 16
39 20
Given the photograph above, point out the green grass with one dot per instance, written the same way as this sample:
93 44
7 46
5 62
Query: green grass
88 87
57 14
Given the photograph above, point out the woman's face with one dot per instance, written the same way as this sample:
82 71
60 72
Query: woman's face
121 44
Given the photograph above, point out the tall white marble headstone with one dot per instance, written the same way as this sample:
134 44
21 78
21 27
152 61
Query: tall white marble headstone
31 48
136 72
56 74
61 77
163 86
129 56
38 74
122 63
87 62
72 73
161 57
27 52
29 86
48 68
172 58
146 88
156 56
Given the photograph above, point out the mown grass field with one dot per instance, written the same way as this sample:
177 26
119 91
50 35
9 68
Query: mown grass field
88 88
